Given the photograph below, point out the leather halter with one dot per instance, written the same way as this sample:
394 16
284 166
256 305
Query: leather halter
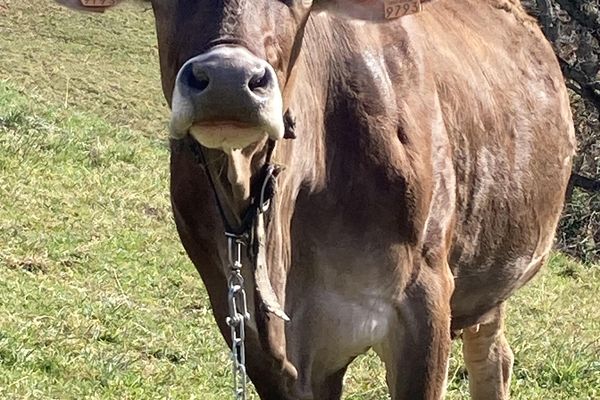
252 231
262 190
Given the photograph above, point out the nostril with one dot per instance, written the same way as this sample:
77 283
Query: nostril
199 84
196 80
260 81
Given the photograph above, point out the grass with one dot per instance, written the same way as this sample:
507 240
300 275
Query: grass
98 300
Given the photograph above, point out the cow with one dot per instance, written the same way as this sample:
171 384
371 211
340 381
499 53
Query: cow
419 154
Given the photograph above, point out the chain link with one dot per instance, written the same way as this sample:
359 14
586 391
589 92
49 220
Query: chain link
238 314
236 296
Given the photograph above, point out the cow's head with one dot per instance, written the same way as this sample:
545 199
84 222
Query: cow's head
228 72
227 65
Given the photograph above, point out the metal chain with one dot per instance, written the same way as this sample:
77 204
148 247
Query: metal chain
236 296
238 314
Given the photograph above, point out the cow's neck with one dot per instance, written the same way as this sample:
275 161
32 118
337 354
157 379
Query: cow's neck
303 164
231 174
239 173
303 168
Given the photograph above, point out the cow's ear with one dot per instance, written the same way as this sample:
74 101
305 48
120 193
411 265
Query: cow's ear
89 5
371 10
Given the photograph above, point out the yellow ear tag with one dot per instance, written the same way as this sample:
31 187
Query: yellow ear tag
98 3
399 8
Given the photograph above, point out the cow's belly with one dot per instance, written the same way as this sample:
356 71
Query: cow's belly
479 288
511 132
504 232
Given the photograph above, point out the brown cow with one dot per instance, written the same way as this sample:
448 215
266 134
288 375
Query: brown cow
423 188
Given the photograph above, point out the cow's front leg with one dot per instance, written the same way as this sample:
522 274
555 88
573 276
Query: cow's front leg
417 348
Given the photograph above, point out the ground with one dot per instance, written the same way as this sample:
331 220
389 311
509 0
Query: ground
97 298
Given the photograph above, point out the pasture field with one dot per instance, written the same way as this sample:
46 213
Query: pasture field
97 298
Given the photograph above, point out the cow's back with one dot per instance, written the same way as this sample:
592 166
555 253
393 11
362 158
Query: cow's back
506 114
506 111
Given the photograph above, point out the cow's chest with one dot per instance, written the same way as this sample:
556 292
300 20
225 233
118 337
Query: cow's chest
346 286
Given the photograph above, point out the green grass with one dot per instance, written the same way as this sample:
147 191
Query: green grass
98 300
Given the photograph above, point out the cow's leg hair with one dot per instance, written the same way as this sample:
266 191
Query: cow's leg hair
417 349
488 358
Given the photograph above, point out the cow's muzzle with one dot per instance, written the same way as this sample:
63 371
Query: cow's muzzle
227 98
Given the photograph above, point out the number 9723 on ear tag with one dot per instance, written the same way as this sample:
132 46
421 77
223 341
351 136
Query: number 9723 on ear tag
399 8
98 3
